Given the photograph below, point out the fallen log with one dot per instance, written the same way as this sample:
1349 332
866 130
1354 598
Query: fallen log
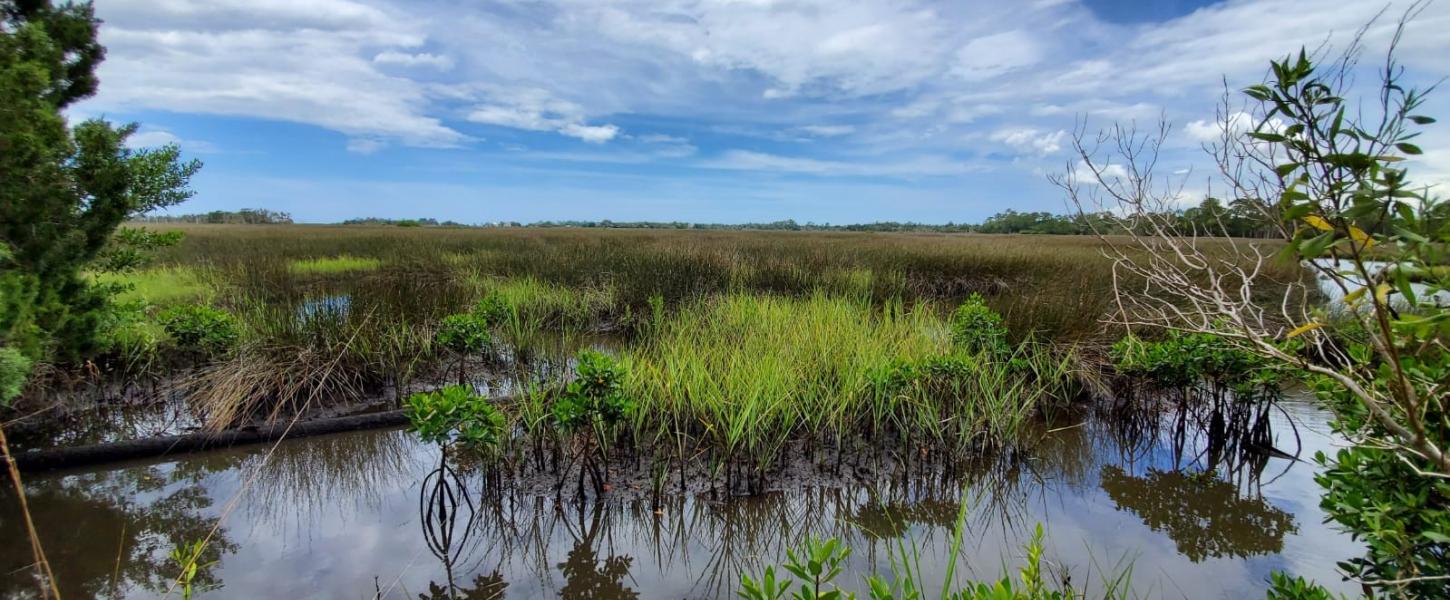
79 456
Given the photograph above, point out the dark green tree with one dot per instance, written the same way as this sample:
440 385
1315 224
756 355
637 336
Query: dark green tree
64 191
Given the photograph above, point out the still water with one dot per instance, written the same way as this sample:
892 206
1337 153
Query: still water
340 517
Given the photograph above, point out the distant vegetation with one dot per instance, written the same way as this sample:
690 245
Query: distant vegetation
1240 218
245 216
1211 218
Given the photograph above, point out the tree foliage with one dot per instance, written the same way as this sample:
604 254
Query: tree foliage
65 190
1344 203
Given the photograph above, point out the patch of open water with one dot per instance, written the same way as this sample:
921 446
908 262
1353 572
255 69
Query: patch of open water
339 517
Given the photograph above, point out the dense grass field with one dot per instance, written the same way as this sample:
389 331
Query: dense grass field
739 342
1055 286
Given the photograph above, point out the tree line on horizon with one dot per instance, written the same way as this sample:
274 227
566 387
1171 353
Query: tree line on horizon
1240 218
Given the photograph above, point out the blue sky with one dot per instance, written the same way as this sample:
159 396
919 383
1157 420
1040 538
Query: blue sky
692 110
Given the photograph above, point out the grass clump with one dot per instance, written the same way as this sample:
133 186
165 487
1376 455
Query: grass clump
160 286
333 265
530 303
817 564
745 373
748 371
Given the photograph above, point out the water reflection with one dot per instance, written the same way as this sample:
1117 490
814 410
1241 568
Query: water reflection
442 498
375 514
109 534
1203 515
586 573
334 307
484 587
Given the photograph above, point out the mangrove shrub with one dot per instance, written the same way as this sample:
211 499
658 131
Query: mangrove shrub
455 415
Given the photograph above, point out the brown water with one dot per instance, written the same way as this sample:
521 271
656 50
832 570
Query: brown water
339 517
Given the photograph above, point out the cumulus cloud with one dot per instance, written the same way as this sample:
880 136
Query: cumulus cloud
1029 140
993 55
365 145
306 62
152 138
916 76
668 145
1209 131
826 130
537 110
420 59
590 133
1111 173
924 166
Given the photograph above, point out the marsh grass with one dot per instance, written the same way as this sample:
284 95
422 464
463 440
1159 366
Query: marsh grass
530 313
747 373
161 286
1056 287
739 339
333 265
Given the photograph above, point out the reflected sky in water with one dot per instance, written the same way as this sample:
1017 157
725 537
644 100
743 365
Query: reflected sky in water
339 517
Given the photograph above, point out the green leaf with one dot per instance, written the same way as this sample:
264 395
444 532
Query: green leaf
1409 148
1421 120
1258 92
1314 247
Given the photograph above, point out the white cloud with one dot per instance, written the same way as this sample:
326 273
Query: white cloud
1029 140
420 59
1209 131
365 145
920 78
826 130
152 138
1111 173
668 145
994 55
537 110
306 62
924 166
597 134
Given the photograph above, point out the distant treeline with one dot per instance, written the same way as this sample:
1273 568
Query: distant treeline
245 216
406 222
1240 218
786 225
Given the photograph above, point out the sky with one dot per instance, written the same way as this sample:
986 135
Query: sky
721 111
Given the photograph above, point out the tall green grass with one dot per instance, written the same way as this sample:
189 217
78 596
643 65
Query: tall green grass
161 286
334 265
740 340
1058 287
745 373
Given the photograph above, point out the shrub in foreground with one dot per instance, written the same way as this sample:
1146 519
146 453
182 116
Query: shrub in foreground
455 415
978 328
201 328
14 368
